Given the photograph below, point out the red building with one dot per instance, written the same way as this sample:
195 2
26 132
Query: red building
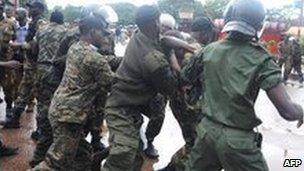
271 36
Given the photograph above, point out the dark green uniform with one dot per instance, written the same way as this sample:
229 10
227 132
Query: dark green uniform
143 73
294 60
233 74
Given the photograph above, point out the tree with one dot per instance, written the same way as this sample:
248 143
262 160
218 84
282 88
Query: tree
125 12
215 8
173 7
287 14
72 13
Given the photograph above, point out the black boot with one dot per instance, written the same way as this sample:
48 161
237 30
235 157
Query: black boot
7 151
13 121
150 151
98 157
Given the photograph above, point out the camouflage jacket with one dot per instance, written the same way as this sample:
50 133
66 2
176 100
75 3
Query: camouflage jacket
86 78
48 39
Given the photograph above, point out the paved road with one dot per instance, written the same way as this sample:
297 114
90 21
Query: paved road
281 139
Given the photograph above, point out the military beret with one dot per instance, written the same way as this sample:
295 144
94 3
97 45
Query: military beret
146 13
202 24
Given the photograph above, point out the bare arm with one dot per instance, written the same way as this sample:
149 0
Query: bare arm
177 43
10 64
287 109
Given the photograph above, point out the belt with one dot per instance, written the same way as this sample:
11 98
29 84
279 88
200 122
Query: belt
225 125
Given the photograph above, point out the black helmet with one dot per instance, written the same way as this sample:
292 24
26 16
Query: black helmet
146 13
245 16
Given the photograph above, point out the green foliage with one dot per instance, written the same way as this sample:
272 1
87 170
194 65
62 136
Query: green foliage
215 8
283 14
125 12
173 7
72 13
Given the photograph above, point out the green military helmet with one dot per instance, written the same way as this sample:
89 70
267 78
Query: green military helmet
245 16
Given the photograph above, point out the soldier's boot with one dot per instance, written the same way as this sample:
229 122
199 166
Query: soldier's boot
30 107
13 122
98 157
1 100
7 151
150 151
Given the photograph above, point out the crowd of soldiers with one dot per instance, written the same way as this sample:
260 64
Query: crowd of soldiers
78 83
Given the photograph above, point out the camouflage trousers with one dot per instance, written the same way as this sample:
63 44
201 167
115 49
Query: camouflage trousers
187 119
219 147
26 90
124 125
155 111
69 151
44 97
10 83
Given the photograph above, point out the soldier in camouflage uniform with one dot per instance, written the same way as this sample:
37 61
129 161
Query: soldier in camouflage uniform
106 49
144 72
188 107
294 60
48 39
27 84
82 91
7 150
9 80
233 71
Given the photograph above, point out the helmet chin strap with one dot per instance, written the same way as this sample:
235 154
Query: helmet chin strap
260 33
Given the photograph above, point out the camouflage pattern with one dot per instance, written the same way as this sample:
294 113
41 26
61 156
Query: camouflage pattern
70 151
27 89
48 38
80 83
58 68
143 73
10 78
82 91
155 111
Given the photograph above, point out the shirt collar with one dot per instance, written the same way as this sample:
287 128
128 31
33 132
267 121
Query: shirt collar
143 37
